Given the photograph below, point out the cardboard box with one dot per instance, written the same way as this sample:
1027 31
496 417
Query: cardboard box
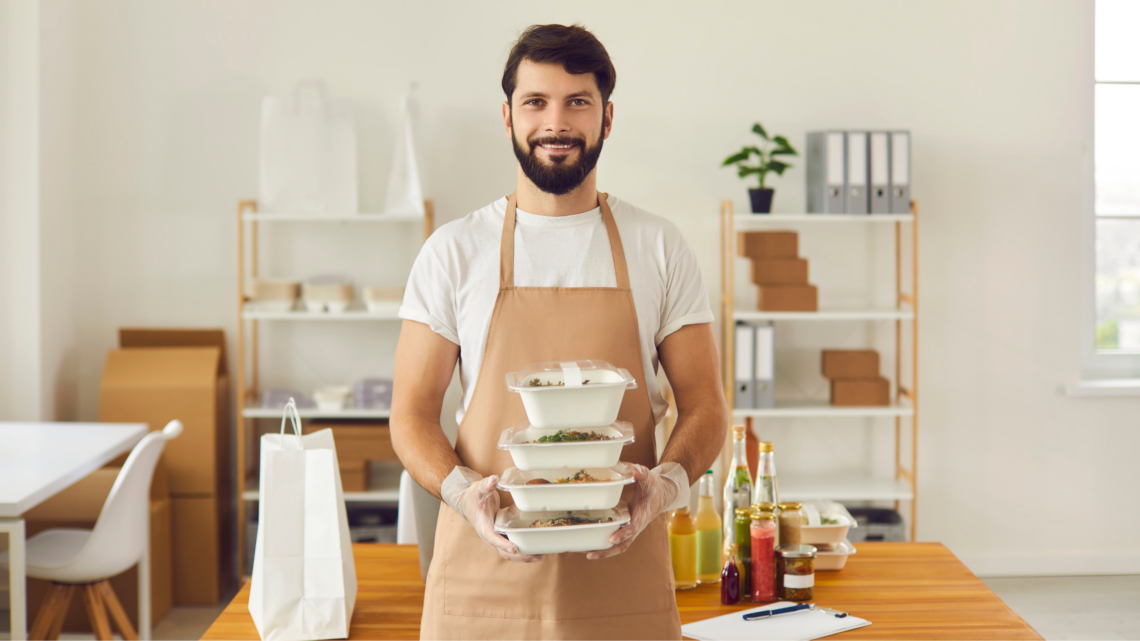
203 558
787 298
850 363
186 380
355 477
860 391
78 506
768 244
779 271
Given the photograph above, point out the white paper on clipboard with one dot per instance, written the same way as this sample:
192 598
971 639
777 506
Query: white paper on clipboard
810 624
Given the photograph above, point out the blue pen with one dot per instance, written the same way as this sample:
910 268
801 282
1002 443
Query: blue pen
768 614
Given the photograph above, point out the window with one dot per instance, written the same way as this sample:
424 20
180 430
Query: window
1117 176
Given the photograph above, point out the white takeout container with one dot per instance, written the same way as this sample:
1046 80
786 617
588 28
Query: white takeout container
331 398
561 497
515 524
832 556
814 532
530 455
589 395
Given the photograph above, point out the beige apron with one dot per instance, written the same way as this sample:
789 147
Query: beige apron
472 593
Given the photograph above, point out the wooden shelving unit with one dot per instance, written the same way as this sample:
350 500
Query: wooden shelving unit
249 318
904 409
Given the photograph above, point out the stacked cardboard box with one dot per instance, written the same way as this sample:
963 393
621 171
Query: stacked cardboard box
778 271
160 375
357 443
855 379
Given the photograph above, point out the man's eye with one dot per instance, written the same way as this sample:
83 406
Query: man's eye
578 102
532 102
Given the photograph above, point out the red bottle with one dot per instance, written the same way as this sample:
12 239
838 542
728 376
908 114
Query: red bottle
730 580
763 532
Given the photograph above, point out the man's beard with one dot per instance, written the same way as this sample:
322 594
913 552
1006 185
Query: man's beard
559 176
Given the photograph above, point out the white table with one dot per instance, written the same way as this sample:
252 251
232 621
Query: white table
37 460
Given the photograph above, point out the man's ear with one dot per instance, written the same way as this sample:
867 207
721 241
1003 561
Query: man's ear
608 119
507 118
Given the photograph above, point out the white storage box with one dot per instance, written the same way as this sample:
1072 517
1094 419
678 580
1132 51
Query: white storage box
825 522
570 394
587 537
529 454
563 496
832 557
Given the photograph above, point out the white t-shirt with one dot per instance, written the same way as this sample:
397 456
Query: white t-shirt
455 279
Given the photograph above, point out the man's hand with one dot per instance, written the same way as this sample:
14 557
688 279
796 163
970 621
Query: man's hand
654 491
477 500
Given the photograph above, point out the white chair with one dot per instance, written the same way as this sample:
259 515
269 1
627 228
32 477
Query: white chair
76 560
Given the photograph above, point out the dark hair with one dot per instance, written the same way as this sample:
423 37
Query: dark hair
577 49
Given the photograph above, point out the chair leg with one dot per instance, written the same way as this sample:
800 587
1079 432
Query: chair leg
57 625
49 610
118 615
96 614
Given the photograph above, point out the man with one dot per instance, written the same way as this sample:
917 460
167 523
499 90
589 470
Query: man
555 272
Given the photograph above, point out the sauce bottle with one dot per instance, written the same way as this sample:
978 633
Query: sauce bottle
730 579
763 532
744 547
708 534
767 490
737 486
683 548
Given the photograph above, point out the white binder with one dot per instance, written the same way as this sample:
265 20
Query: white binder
856 172
900 172
764 381
880 173
743 395
826 172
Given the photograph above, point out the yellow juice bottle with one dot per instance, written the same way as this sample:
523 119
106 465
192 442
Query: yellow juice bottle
683 548
708 534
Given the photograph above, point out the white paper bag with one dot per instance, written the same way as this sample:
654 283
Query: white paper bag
405 180
308 153
304 580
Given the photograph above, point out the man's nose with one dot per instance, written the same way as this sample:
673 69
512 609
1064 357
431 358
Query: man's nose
556 120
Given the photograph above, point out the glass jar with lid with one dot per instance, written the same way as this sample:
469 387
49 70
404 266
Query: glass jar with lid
795 569
791 520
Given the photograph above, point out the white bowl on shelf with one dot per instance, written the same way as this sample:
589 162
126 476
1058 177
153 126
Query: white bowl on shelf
271 305
331 398
528 454
314 306
515 524
571 394
561 497
337 306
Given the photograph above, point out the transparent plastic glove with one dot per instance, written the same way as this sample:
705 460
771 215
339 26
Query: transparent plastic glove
663 488
476 499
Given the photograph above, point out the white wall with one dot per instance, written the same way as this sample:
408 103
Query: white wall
162 136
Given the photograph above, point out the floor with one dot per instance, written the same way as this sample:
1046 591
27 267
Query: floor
1083 607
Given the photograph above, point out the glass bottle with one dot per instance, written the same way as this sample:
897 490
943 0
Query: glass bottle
763 557
730 578
743 524
708 533
767 490
683 548
791 520
737 485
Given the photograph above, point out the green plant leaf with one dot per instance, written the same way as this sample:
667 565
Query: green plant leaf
739 156
759 131
778 167
755 151
783 152
747 171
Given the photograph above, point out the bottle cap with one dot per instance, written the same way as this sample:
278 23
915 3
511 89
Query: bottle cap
763 516
766 507
683 511
765 446
744 511
796 551
790 505
709 472
737 432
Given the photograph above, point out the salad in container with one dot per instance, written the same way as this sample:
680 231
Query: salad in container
825 522
558 532
533 449
567 488
570 394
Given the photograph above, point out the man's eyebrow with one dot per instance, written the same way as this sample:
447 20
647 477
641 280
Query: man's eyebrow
539 94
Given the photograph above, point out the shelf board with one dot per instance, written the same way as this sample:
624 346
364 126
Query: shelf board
389 313
333 218
311 412
821 409
825 315
745 221
794 488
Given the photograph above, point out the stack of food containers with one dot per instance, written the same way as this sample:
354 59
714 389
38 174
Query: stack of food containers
567 479
825 526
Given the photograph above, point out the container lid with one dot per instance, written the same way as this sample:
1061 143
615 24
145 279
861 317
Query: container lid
738 432
513 478
765 507
709 472
796 551
790 505
525 435
763 516
765 446
512 519
843 548
555 375
744 511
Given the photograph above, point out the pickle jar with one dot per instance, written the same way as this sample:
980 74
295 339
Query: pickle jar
795 571
743 527
791 520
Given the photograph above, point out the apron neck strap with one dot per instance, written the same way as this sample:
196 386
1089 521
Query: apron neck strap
507 245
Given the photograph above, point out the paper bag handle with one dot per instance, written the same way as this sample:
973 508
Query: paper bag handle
293 417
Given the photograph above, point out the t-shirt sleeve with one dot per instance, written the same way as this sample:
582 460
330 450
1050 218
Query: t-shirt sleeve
686 299
429 297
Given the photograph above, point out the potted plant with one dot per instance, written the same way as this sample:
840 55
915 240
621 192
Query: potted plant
765 162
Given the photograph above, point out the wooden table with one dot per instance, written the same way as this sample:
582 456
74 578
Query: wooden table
906 590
